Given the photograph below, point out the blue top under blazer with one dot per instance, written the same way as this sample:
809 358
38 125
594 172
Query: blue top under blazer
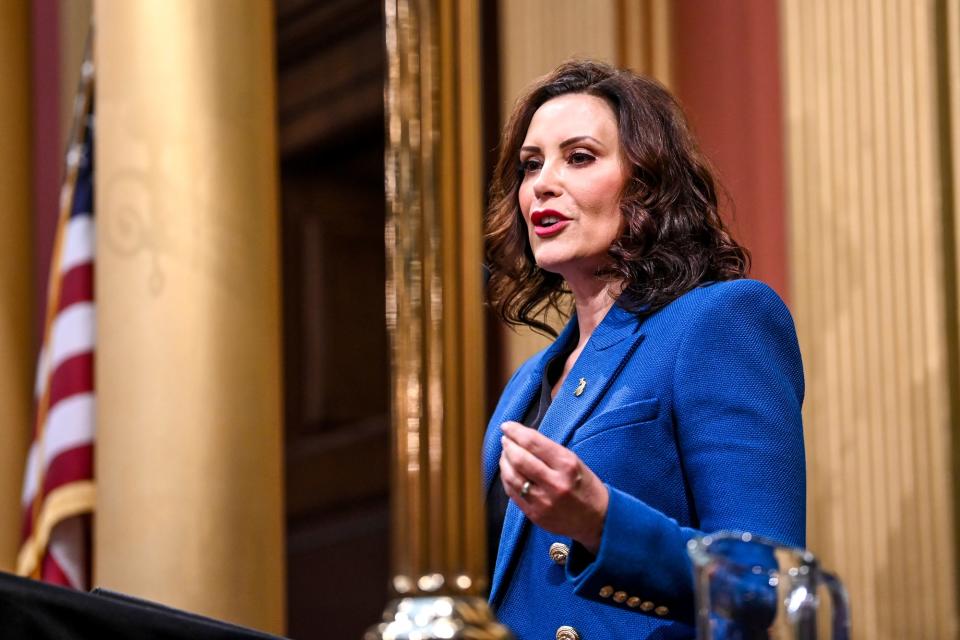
691 418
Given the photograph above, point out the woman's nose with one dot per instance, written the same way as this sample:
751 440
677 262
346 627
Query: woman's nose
547 183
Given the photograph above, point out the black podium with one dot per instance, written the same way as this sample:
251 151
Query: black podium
31 610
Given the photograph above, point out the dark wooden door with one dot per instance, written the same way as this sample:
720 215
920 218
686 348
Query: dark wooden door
330 72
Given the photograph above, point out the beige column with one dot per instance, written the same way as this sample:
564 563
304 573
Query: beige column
645 42
874 297
189 455
537 35
16 271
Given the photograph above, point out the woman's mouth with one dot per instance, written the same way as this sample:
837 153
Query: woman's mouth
548 223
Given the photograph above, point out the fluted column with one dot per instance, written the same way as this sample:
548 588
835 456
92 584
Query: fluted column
434 296
434 194
872 245
16 272
645 42
189 457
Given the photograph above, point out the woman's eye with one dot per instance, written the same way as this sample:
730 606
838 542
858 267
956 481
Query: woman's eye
529 165
580 157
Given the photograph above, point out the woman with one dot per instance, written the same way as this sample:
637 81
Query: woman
669 406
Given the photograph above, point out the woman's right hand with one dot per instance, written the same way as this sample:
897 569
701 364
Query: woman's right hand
564 496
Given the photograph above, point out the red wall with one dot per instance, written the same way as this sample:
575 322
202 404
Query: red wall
47 151
727 75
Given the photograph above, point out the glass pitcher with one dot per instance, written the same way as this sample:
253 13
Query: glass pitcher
751 588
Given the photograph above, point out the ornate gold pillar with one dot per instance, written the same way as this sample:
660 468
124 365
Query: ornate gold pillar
874 284
434 316
16 271
189 415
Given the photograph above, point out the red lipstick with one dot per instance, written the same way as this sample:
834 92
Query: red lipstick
547 222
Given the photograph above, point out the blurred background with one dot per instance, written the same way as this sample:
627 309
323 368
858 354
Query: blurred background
240 462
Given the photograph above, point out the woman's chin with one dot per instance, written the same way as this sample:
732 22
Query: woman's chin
550 265
568 267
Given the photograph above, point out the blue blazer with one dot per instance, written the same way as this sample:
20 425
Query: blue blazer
692 420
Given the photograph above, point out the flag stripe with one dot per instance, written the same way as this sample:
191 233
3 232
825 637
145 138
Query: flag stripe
66 467
76 286
69 424
72 334
77 242
74 376
52 572
66 549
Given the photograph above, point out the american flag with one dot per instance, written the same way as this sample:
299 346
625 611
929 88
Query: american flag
58 489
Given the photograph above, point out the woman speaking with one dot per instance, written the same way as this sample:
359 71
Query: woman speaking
669 405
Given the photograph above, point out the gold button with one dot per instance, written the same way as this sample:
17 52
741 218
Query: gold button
646 606
661 611
619 596
606 591
559 553
633 602
567 633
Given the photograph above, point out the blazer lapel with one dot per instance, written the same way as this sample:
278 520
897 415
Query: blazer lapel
517 398
599 364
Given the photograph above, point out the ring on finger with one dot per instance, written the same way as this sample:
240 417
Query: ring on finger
525 489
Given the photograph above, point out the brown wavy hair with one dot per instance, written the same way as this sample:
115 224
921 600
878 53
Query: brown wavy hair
673 239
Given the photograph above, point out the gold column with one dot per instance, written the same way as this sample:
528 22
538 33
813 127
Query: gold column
537 35
645 37
16 271
873 295
434 315
948 60
189 442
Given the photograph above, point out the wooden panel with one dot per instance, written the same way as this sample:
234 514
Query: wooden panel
871 302
330 127
330 58
333 560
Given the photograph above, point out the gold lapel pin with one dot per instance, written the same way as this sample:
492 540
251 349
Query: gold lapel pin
580 387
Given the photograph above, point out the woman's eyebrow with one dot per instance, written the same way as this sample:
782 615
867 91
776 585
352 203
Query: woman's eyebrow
566 143
574 140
